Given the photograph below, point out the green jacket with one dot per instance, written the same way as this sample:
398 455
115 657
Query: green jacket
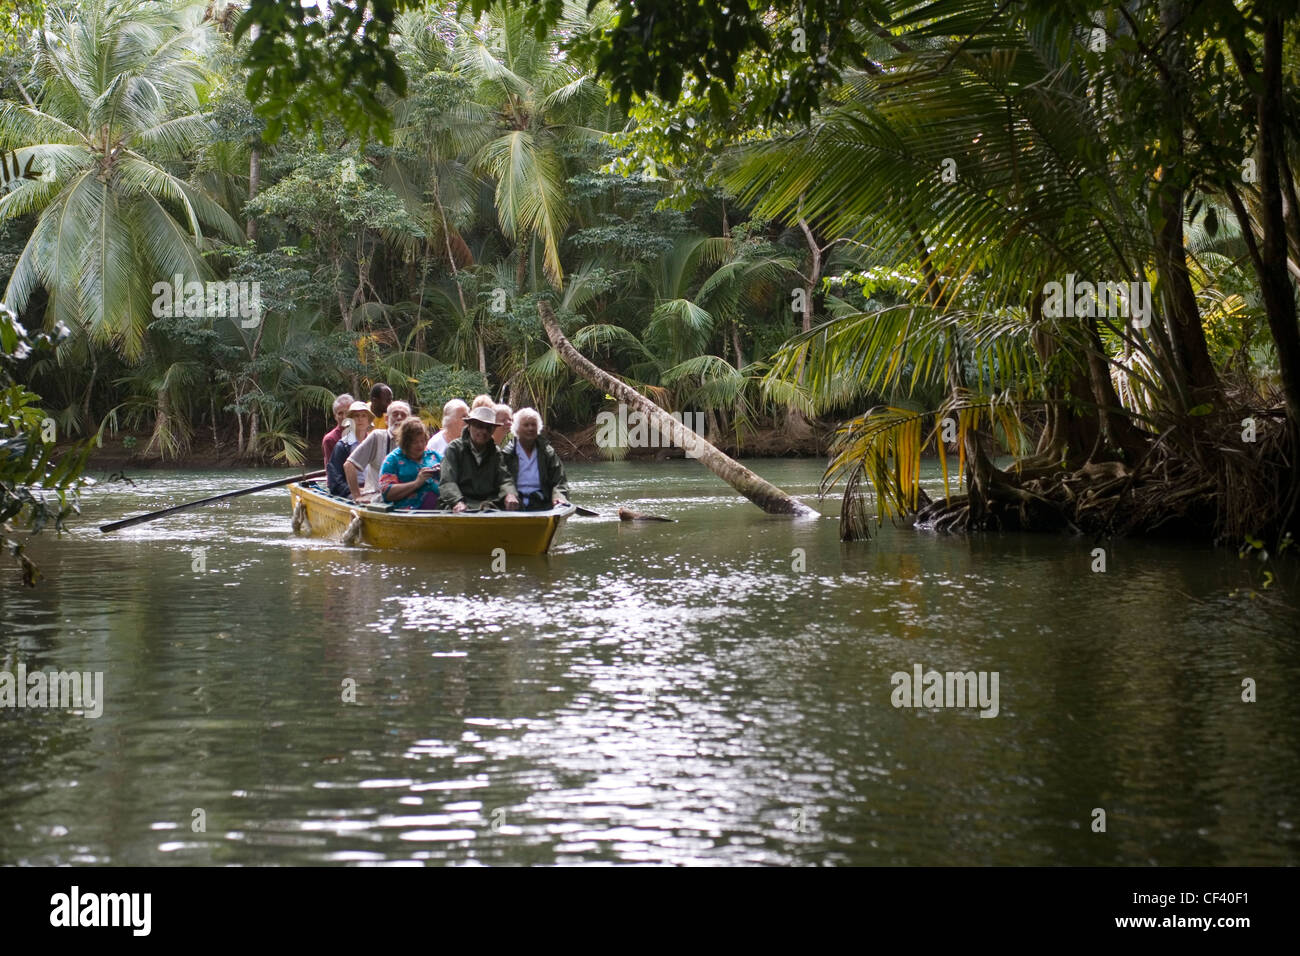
464 477
549 467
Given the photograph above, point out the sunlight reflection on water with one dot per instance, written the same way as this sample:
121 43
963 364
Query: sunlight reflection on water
658 693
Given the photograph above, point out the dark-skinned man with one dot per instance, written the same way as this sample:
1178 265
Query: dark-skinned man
473 471
381 396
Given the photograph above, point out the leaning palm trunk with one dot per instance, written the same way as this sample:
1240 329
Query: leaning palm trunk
764 494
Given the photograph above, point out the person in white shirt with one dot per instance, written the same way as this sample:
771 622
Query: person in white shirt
369 454
534 465
454 414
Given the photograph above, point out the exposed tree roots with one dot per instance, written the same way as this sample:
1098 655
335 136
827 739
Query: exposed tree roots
1214 487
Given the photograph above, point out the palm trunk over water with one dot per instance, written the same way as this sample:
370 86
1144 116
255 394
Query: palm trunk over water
764 494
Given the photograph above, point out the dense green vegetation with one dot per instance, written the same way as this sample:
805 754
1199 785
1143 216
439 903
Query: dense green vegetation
376 261
898 186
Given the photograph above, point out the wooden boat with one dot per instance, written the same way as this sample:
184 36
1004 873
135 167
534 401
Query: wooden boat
517 532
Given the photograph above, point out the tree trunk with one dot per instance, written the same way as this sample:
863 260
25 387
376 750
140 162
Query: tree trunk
521 268
814 274
90 386
252 433
764 494
254 181
797 429
1116 427
955 372
23 90
1067 437
161 426
1275 284
253 416
1183 315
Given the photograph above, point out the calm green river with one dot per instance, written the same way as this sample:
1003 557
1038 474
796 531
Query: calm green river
715 691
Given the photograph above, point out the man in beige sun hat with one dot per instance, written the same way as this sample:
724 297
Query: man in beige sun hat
474 474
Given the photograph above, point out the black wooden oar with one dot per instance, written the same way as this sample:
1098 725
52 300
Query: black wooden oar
141 519
586 512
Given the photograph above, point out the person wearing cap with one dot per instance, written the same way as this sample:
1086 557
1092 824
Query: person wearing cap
474 474
533 464
362 420
368 456
341 406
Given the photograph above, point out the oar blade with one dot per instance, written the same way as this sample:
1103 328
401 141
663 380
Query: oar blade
154 515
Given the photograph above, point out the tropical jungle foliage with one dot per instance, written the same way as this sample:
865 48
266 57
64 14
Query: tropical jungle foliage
774 212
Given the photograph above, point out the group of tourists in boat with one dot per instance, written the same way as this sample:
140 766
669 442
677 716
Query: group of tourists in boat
485 456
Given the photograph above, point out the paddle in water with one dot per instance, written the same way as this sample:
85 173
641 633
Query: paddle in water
153 515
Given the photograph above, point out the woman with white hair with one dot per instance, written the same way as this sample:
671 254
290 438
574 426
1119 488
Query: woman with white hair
536 469
505 415
454 414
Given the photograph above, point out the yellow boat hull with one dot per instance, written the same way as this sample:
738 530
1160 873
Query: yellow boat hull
516 532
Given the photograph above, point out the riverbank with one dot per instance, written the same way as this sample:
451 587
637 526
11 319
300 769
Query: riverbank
125 450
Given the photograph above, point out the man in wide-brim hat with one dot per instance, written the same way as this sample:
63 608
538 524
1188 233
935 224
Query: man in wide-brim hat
473 472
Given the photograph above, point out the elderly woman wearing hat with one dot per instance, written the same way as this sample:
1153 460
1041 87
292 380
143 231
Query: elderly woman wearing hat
473 472
362 421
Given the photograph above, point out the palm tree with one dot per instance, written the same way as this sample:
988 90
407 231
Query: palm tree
544 102
1030 198
120 83
702 290
102 139
438 132
991 152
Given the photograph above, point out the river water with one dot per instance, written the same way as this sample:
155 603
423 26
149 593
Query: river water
715 691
